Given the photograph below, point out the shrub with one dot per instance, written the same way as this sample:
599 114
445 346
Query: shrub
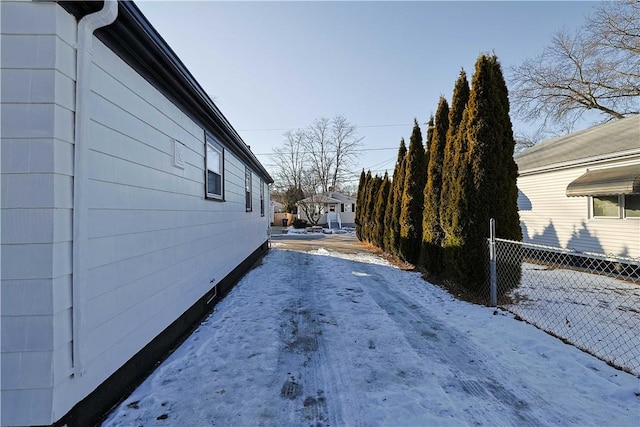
300 223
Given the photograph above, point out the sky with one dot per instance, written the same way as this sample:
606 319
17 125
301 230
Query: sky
327 338
277 66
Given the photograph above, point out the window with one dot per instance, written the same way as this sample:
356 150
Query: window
247 188
214 161
632 206
606 206
261 198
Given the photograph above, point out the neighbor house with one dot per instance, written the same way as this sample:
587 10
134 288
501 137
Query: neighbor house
129 206
582 191
335 210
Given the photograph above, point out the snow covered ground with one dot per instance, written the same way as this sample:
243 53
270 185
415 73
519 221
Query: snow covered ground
597 313
322 338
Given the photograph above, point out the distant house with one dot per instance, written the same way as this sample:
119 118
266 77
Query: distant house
336 210
130 205
582 191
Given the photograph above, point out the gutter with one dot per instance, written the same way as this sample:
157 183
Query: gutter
84 60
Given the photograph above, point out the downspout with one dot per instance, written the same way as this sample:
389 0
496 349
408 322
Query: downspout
84 60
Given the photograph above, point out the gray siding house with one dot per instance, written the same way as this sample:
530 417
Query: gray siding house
582 191
130 205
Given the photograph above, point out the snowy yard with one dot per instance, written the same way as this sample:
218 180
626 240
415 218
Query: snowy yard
594 312
327 338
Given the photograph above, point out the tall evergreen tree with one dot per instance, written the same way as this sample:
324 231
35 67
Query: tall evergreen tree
366 213
415 177
381 203
431 127
459 193
392 211
458 104
360 205
494 172
432 234
371 198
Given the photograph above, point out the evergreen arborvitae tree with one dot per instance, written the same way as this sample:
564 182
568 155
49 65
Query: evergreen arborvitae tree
432 234
366 213
415 177
494 172
431 127
359 205
372 197
392 211
381 203
454 249
458 104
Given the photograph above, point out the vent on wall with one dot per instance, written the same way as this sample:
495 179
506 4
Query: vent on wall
178 154
212 295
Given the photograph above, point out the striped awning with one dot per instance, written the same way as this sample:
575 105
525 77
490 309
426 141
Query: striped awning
605 182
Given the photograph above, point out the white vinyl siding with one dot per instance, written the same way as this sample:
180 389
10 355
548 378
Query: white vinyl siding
154 242
37 112
549 217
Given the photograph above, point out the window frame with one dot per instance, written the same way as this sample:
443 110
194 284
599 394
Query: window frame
261 197
593 208
624 207
210 141
248 190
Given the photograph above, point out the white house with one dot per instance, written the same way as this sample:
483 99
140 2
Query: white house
337 210
582 191
130 205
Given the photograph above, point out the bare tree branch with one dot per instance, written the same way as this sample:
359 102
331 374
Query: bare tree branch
595 68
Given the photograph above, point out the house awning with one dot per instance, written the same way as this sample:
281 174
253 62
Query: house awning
604 182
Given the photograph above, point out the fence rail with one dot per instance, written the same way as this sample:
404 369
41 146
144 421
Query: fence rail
589 300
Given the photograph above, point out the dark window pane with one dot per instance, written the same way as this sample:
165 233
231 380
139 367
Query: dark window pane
214 183
632 206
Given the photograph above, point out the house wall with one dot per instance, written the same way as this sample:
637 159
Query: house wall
155 245
38 73
549 217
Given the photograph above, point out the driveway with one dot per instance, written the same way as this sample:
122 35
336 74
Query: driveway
339 337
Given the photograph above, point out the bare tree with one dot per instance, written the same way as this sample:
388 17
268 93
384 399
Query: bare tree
313 205
595 68
345 143
325 150
290 160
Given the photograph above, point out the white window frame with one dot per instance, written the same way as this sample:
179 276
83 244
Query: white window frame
261 198
248 194
211 145
624 208
593 208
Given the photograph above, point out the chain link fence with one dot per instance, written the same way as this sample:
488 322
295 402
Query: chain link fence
589 300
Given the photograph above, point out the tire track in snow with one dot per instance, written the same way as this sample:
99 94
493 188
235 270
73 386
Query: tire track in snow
469 380
310 388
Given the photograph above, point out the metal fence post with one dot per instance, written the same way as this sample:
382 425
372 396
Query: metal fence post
492 263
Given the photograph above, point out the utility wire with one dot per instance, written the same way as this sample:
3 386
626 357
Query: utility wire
286 129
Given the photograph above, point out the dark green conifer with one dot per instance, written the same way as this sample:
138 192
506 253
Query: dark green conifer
381 203
458 104
412 198
392 211
432 234
371 198
360 205
494 172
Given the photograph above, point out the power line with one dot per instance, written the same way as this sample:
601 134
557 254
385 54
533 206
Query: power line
308 152
287 129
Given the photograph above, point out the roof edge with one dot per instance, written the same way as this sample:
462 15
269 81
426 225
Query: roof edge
138 43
